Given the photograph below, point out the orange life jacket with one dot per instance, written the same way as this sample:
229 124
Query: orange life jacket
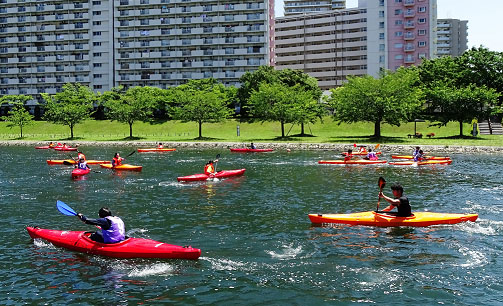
209 169
117 161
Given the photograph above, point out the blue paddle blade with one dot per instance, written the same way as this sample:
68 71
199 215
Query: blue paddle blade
65 209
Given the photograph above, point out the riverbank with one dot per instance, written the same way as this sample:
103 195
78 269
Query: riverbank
280 146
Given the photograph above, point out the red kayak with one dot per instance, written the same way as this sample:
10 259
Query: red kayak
130 248
65 149
246 150
43 147
218 175
156 150
79 172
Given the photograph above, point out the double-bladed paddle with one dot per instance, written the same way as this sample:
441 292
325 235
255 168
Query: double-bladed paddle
381 182
216 158
65 209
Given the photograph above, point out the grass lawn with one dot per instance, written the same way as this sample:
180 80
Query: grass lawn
326 132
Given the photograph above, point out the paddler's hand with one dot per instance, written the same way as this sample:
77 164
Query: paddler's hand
381 195
80 216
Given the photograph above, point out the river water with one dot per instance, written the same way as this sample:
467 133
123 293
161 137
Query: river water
258 245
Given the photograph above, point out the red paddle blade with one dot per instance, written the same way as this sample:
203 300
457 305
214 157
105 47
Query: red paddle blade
381 182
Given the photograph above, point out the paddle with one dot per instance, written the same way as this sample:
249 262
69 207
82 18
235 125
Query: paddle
65 209
216 158
381 182
377 146
131 153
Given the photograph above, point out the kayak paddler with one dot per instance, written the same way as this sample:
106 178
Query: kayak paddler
401 202
348 155
113 229
371 155
117 160
252 146
80 155
82 164
209 169
418 156
160 146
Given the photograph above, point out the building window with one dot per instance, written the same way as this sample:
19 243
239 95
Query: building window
398 33
421 20
381 25
399 57
399 46
381 13
381 35
398 22
422 9
96 22
97 43
96 65
98 33
398 12
381 59
421 43
381 47
421 32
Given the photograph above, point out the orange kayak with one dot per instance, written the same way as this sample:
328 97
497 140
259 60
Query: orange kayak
71 161
352 162
360 153
422 163
425 157
156 150
372 218
122 167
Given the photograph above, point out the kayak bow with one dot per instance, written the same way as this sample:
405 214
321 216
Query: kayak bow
218 175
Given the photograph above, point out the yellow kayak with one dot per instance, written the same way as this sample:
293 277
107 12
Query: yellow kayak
372 218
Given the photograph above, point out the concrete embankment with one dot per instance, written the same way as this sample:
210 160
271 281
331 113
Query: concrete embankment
275 145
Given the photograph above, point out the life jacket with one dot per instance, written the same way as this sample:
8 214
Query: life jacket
372 156
82 165
116 232
209 169
117 161
348 157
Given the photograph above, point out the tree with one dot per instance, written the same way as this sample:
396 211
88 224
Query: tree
134 104
250 81
450 103
71 106
274 102
393 98
201 101
18 115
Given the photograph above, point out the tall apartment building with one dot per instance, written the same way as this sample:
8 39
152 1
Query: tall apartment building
293 7
328 46
100 43
452 37
378 34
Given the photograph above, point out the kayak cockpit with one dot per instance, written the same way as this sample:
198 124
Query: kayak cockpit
87 237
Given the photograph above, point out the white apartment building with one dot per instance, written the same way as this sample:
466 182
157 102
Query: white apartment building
293 7
377 35
328 46
103 44
452 37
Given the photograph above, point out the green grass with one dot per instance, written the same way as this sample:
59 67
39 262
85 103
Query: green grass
326 132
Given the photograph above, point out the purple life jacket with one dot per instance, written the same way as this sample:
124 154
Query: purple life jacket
116 232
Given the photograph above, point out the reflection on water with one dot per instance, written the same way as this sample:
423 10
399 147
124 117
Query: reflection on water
256 239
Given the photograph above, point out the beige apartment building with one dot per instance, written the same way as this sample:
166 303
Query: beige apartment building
293 7
452 37
328 46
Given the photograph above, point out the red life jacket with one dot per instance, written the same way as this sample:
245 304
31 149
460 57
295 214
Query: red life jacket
209 169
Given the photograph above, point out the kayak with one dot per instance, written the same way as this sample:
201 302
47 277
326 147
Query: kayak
73 162
247 150
130 248
122 167
371 218
80 172
426 157
359 153
44 147
352 162
203 177
65 149
156 150
422 163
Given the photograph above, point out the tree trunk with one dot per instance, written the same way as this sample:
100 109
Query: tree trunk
377 129
200 129
461 128
302 129
130 130
282 129
71 131
21 131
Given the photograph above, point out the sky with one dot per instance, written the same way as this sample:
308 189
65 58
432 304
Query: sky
484 17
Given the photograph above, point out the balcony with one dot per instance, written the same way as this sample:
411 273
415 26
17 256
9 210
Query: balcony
409 60
409 13
409 25
409 36
409 48
407 3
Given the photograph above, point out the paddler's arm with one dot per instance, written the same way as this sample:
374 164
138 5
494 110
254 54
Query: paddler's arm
393 202
102 222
